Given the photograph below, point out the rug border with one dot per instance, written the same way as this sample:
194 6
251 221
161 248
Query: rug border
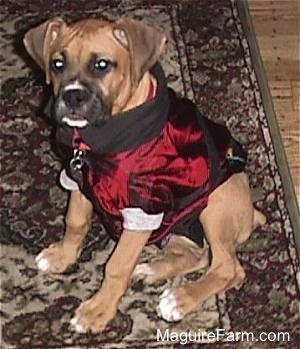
280 154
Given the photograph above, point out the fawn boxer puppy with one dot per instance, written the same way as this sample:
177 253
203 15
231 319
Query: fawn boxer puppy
154 169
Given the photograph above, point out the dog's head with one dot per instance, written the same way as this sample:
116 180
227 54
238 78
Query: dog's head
94 66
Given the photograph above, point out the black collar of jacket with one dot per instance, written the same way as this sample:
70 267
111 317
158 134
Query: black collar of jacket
127 130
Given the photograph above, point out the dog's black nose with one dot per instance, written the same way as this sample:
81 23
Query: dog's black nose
75 98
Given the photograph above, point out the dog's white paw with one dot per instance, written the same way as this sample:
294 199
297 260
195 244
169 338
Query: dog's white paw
42 262
55 258
142 270
76 325
168 307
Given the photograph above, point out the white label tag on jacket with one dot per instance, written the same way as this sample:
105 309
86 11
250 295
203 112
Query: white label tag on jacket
67 182
137 219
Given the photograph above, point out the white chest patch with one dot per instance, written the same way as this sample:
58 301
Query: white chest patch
67 182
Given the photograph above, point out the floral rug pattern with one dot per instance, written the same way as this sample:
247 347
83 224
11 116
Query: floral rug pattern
208 60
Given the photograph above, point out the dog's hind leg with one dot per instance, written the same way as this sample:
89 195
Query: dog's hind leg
258 220
181 256
58 256
227 220
175 303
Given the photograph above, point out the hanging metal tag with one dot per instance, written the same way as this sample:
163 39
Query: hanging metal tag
76 165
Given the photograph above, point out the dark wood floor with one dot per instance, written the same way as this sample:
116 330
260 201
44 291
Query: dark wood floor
277 26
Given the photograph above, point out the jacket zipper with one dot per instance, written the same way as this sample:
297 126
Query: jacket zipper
77 161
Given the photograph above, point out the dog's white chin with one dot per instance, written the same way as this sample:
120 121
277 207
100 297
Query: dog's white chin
74 123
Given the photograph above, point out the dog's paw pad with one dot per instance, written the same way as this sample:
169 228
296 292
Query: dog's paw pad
168 307
42 262
76 325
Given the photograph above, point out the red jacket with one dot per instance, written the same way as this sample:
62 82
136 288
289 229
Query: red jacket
158 178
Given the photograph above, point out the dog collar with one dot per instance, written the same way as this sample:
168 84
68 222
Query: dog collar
126 130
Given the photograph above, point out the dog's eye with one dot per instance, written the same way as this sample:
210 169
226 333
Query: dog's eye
58 65
103 65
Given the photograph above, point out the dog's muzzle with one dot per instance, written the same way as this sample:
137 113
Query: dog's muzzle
72 105
78 105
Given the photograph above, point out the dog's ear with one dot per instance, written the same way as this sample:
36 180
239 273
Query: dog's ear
39 40
144 43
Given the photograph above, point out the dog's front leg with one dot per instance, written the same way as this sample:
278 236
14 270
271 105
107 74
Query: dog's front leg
58 256
98 311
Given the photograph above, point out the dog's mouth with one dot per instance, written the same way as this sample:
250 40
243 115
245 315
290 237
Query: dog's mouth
72 122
